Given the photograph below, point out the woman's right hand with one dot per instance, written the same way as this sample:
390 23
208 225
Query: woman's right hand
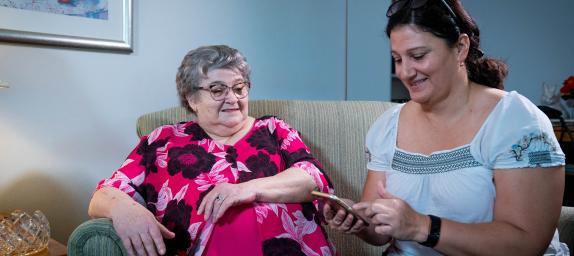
139 230
339 219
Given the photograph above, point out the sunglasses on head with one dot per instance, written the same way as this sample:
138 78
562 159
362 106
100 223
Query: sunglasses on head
416 4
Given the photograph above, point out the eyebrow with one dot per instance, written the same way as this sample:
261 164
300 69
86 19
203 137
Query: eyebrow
222 82
423 48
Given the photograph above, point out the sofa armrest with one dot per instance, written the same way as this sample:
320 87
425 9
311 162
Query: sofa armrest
95 237
566 227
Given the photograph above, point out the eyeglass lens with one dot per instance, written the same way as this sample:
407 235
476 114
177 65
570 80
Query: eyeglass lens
219 91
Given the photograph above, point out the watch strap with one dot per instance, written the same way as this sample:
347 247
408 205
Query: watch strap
434 233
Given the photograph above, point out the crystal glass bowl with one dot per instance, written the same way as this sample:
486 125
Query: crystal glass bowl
23 234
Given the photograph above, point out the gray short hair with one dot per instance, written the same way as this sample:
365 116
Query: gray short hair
198 62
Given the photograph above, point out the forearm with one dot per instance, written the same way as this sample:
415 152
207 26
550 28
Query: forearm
292 185
526 212
495 238
105 200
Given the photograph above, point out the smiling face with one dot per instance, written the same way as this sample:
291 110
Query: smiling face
426 65
228 114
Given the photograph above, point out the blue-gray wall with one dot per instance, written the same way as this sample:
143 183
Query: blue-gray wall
535 38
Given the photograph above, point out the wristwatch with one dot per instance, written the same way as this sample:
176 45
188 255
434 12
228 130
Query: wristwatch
434 233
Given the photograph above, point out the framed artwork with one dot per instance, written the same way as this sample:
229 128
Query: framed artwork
88 24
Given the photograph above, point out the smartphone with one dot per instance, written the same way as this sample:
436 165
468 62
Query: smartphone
341 203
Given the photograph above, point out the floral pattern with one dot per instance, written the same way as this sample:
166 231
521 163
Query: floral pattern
147 151
537 147
260 139
282 247
177 219
174 167
191 161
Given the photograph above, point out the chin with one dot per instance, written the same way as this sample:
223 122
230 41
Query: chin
233 121
419 97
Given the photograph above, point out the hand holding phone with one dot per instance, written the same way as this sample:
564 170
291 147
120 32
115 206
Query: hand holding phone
338 201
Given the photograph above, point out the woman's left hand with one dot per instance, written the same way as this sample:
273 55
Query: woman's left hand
394 217
224 196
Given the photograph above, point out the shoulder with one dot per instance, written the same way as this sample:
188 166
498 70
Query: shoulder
183 129
383 126
272 122
518 134
388 117
514 112
517 107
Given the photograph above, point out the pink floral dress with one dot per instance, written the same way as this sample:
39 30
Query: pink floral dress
175 166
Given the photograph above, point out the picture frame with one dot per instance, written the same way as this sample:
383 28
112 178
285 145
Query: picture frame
114 33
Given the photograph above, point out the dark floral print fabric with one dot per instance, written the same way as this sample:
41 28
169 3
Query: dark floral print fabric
175 166
282 247
260 139
261 165
191 161
149 194
196 132
147 152
176 219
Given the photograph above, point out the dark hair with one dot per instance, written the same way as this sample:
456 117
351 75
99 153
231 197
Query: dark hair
434 18
198 62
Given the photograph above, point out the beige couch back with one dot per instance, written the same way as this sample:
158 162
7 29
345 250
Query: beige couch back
335 132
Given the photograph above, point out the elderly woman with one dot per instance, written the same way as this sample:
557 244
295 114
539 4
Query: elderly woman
223 184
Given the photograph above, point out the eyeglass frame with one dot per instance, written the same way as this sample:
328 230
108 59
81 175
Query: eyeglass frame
416 5
227 89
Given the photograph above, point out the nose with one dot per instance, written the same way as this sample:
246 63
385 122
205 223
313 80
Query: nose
405 70
230 96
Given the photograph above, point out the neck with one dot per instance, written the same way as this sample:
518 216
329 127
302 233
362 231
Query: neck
453 107
225 134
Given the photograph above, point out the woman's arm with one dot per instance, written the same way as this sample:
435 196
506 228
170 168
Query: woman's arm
292 185
138 229
526 212
106 199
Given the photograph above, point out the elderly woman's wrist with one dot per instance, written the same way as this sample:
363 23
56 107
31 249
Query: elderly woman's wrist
253 189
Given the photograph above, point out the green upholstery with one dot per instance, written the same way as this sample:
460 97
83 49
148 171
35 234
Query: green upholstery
335 132
95 237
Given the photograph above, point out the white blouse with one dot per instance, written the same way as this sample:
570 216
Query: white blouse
457 184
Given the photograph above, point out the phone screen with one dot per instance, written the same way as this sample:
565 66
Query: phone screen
341 203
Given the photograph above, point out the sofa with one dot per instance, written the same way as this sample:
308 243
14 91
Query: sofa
335 132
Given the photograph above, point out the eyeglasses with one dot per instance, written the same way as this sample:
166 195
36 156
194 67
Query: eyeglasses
219 91
416 4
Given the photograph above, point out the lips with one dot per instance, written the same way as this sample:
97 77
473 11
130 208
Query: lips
417 82
230 110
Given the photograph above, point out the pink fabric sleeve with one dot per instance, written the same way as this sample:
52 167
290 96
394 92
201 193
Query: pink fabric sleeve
131 173
297 154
